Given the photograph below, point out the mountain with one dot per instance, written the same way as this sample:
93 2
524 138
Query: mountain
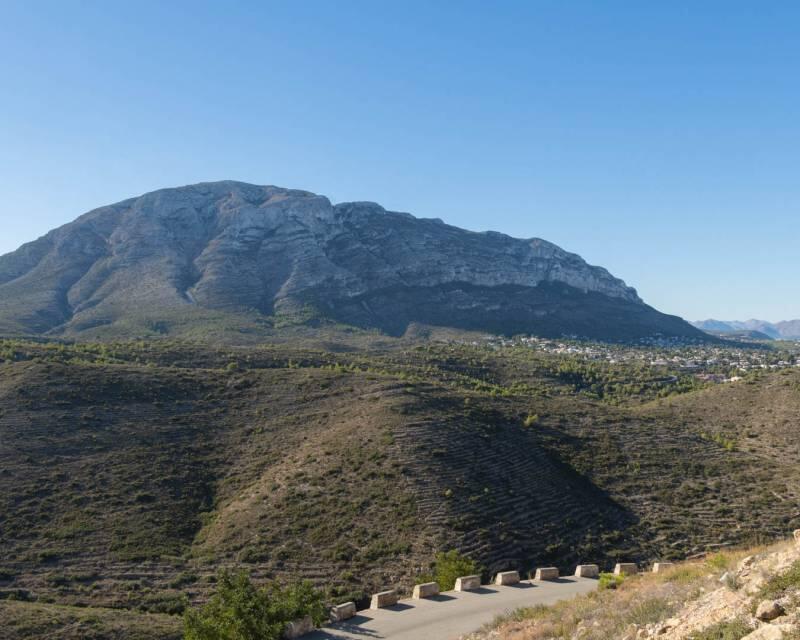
177 260
789 329
786 330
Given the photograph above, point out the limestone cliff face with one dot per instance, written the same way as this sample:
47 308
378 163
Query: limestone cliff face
236 246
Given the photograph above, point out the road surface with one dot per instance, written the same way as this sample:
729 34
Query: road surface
451 614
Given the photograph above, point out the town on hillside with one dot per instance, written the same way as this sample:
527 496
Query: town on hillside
708 362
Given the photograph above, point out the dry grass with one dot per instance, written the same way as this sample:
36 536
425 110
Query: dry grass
728 630
638 600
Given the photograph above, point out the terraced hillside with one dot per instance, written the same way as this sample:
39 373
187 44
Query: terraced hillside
133 472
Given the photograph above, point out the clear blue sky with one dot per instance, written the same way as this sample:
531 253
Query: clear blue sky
658 139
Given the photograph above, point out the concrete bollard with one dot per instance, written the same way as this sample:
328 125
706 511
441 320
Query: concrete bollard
383 599
298 628
546 573
468 583
587 571
344 611
626 569
660 566
425 590
506 578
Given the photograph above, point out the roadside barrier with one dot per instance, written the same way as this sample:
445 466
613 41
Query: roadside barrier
626 569
344 611
425 590
383 599
468 583
546 573
506 578
587 571
298 628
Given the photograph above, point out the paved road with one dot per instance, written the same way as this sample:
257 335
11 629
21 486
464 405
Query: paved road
452 614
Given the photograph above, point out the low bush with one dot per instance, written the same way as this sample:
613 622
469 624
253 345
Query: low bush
719 561
169 602
449 565
241 611
609 581
648 611
531 420
182 579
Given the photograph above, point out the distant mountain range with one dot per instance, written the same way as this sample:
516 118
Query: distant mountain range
786 330
247 258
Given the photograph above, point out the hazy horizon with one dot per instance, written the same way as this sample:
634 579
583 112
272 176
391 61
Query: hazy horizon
657 141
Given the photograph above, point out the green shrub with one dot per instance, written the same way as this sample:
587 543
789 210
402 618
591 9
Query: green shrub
719 561
171 603
531 420
182 579
449 566
609 581
241 611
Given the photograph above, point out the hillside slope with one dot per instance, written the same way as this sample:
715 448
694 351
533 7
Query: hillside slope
133 472
125 473
745 594
253 259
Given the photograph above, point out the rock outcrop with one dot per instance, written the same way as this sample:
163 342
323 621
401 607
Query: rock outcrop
756 598
239 248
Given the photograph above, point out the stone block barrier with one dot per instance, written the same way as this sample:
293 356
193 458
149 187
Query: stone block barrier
390 597
468 583
425 590
587 571
546 573
344 611
298 628
661 566
626 569
383 599
506 578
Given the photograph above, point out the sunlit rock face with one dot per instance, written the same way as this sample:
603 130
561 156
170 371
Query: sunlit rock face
240 247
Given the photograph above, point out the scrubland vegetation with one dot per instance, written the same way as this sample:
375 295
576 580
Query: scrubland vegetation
133 472
239 610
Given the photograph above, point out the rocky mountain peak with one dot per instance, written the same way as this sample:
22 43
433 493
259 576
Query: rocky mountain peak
238 247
